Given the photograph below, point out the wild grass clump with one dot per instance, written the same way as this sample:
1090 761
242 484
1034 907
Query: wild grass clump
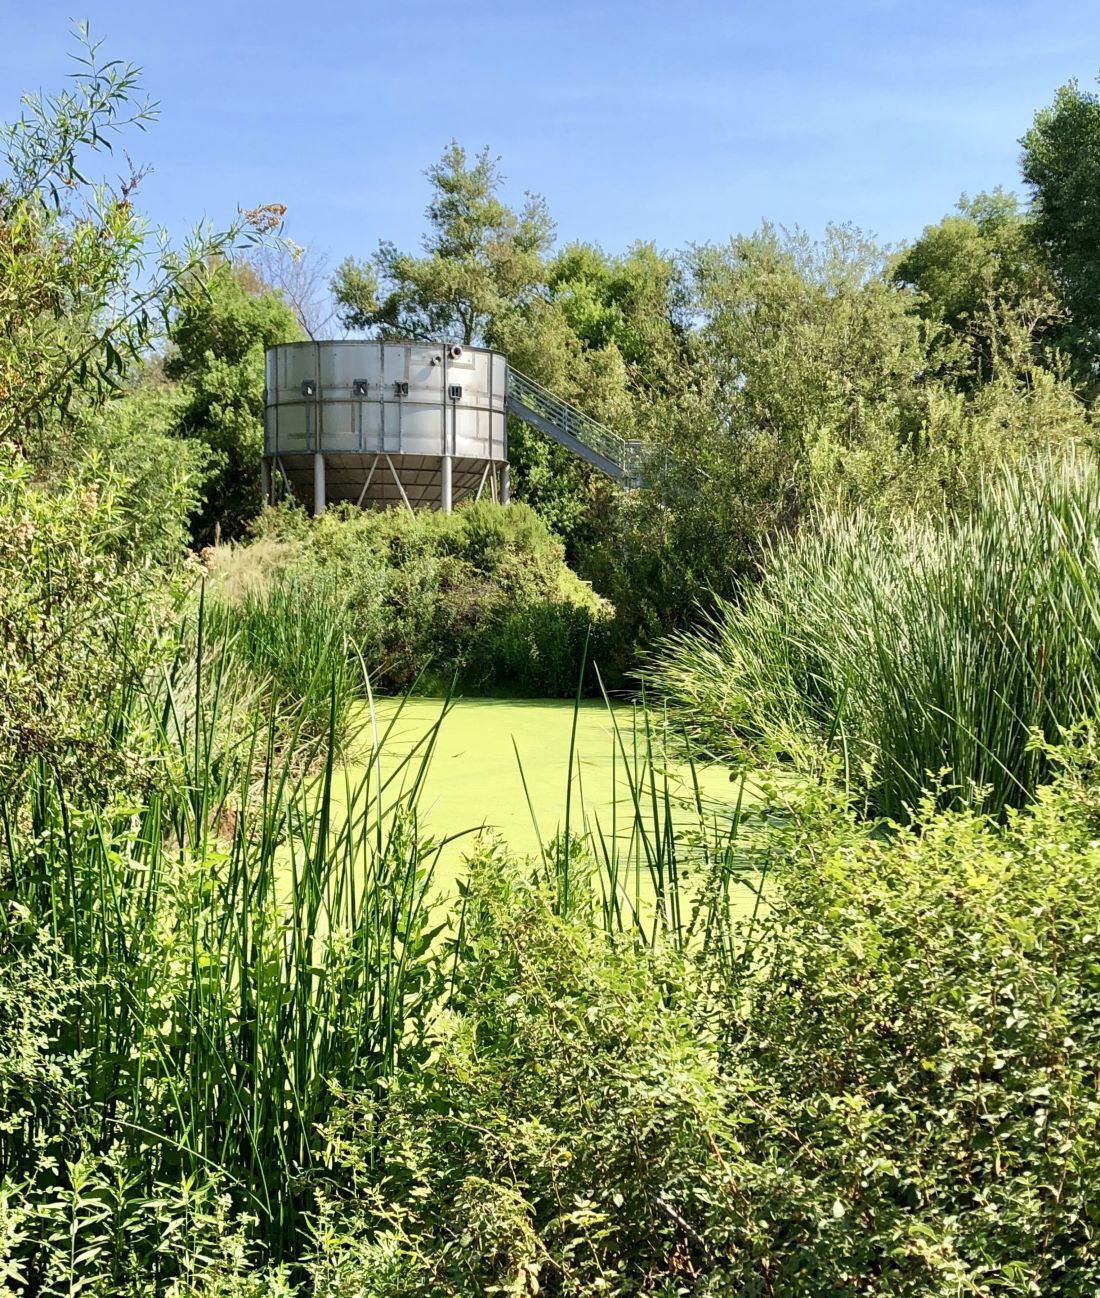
187 983
914 654
296 634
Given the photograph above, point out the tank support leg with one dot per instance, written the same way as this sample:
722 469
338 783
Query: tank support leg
505 486
445 485
265 482
318 484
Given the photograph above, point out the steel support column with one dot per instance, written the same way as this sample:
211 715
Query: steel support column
445 485
318 484
505 485
265 482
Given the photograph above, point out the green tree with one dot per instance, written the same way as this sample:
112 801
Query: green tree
218 341
1061 166
86 287
480 259
971 268
636 302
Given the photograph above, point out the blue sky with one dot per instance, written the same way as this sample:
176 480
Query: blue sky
674 122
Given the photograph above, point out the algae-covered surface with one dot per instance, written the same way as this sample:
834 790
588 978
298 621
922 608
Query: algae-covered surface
503 765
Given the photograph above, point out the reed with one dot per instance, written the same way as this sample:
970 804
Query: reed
245 944
918 657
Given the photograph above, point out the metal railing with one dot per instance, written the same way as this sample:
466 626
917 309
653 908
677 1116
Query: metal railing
619 457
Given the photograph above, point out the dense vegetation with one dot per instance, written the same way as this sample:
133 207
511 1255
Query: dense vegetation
910 653
843 1041
483 594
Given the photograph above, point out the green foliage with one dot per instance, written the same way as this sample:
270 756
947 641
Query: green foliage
815 385
210 962
916 1061
483 593
82 293
895 1095
480 258
563 1133
296 636
77 625
1061 166
980 253
132 439
920 655
218 342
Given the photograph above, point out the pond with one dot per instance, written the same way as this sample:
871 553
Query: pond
503 765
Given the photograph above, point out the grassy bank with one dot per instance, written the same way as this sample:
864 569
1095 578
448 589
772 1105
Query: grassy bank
483 595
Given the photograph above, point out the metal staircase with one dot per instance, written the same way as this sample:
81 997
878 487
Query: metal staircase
618 457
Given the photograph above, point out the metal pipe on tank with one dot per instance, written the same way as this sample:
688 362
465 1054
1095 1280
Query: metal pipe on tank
318 484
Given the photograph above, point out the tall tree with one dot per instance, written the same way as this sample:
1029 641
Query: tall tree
480 258
1061 165
487 276
972 268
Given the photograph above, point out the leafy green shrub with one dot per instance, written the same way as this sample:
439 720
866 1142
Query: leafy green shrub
540 646
918 653
896 1095
563 1132
914 1064
78 627
483 593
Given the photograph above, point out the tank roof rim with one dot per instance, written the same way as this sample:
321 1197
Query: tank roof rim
381 342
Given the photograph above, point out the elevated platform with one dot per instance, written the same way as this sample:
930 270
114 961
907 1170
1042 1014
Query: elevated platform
417 425
381 480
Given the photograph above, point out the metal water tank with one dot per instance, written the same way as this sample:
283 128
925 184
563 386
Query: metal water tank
384 423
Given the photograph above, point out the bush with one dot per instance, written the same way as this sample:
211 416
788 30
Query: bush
78 627
916 1060
483 593
563 1133
897 1096
917 653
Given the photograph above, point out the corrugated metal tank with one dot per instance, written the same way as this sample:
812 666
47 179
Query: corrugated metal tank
384 423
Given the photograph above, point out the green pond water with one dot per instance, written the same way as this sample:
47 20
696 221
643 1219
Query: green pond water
488 750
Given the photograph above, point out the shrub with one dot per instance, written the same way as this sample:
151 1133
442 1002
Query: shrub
914 1064
917 653
896 1096
482 594
78 618
563 1132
